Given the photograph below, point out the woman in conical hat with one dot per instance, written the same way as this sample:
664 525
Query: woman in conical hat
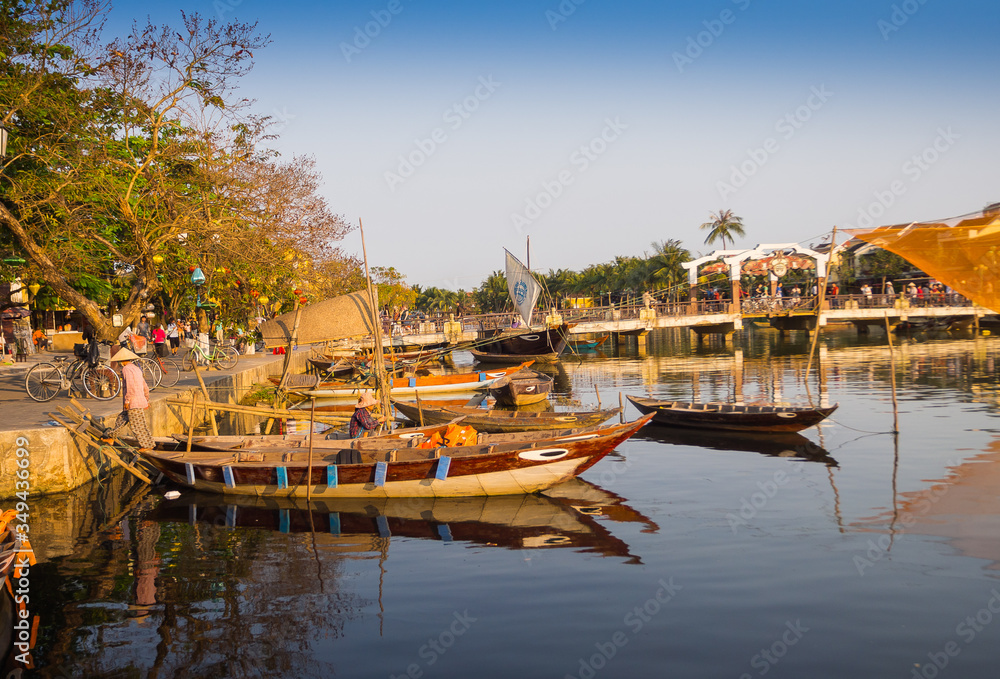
363 420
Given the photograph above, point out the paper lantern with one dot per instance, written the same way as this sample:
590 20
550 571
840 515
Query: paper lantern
303 300
264 299
157 259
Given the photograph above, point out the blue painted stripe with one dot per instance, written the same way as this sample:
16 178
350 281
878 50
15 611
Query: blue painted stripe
231 516
383 526
189 470
284 520
444 532
443 465
413 381
282 477
331 476
381 469
334 523
227 475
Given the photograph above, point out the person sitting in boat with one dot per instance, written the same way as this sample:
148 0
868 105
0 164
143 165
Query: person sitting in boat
363 420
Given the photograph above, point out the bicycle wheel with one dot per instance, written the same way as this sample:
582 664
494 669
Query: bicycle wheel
43 382
171 372
226 358
190 359
151 372
102 382
74 376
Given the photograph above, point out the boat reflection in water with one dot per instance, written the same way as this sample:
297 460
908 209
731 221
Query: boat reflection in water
786 444
566 516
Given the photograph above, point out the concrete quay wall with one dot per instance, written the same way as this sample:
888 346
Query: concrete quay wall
57 462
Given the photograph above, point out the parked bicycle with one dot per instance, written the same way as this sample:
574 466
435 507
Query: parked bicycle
223 358
45 380
166 370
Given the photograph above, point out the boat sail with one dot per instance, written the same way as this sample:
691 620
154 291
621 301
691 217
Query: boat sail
522 286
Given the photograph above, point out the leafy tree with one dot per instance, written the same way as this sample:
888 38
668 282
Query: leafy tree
724 226
133 162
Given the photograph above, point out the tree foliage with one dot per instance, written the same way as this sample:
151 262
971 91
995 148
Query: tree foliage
131 162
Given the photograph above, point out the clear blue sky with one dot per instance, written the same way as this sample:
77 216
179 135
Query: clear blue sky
597 127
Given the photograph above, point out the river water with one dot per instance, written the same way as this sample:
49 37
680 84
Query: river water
845 552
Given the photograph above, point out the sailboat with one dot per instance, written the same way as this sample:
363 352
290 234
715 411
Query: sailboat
518 345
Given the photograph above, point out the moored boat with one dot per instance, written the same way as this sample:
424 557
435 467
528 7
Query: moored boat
464 471
496 421
411 385
541 347
588 345
730 416
522 388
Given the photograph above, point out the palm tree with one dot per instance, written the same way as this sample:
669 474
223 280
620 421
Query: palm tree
724 226
663 269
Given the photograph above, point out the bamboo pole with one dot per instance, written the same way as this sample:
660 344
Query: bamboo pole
309 472
381 378
107 450
820 297
420 409
194 401
292 338
598 392
204 390
263 412
892 376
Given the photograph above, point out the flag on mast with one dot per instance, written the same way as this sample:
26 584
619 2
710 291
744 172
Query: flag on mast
522 286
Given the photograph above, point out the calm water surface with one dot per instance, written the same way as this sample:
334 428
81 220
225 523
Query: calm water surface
840 553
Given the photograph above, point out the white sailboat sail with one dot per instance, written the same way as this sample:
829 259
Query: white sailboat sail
522 286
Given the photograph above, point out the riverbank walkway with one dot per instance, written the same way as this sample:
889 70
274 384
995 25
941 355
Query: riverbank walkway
18 412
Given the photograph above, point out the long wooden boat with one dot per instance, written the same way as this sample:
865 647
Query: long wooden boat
408 437
733 417
543 346
413 385
332 366
522 388
295 442
466 471
494 420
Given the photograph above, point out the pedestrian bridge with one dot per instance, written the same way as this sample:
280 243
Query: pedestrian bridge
721 318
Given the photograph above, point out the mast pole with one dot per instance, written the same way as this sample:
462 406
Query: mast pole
378 363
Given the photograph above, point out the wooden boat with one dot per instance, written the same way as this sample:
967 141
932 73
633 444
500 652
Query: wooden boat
412 385
521 388
494 420
541 347
733 417
332 366
297 442
466 471
588 345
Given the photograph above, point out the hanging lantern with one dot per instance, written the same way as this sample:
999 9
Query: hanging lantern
197 277
303 300
254 293
297 291
264 299
157 259
34 288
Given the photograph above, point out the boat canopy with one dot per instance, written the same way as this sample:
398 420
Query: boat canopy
961 252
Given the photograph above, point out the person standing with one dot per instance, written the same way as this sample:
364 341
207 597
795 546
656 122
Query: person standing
135 400
143 329
173 337
159 340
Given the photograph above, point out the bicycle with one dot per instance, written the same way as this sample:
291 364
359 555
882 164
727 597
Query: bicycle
223 358
45 380
165 370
